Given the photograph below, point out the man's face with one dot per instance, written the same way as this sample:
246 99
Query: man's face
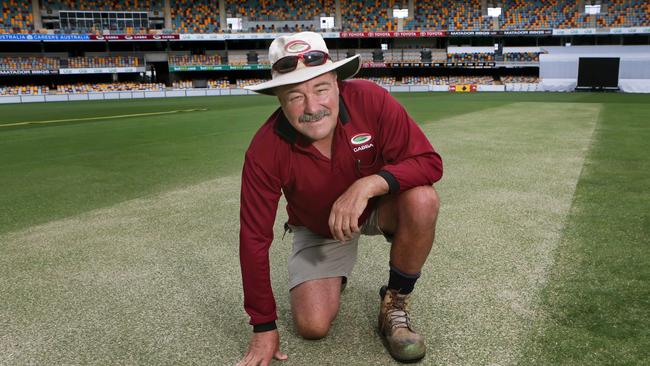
312 107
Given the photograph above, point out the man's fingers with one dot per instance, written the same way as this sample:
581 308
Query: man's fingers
347 233
336 230
244 361
280 356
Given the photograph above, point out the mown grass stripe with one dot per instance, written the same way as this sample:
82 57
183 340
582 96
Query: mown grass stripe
596 308
117 116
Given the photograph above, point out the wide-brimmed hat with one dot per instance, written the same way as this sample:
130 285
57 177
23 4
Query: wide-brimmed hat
295 45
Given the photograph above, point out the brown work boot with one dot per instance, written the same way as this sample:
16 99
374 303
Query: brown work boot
395 327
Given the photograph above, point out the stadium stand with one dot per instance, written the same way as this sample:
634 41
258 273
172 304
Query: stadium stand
195 16
425 80
182 84
93 5
361 16
279 10
478 80
28 63
383 80
202 16
519 79
194 60
521 56
470 57
621 13
237 58
105 61
108 87
222 83
16 16
450 15
24 90
241 83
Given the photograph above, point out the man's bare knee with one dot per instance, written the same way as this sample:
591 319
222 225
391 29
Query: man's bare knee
314 305
421 203
313 329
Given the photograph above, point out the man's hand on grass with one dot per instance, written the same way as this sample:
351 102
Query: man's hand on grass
263 347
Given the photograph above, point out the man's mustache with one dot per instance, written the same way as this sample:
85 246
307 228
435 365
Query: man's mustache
314 116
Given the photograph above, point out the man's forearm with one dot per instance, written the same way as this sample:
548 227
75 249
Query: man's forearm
374 185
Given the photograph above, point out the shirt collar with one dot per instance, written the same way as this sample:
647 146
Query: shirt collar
285 130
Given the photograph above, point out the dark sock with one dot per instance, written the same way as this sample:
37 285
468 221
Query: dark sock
402 282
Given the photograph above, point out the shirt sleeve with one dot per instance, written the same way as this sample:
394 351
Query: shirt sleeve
410 159
260 193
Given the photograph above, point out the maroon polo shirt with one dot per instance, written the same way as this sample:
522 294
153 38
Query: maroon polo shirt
373 135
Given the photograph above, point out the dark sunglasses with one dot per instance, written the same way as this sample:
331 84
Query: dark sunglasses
289 63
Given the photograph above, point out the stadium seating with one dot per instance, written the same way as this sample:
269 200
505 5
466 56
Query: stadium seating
478 80
194 60
279 10
521 56
383 80
16 16
24 90
241 83
107 87
519 79
222 83
29 63
470 57
106 61
366 16
94 5
425 80
202 16
195 16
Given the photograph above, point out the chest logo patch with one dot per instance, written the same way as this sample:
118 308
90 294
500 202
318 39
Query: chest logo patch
360 138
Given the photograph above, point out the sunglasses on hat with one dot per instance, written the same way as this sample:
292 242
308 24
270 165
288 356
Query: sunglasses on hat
289 63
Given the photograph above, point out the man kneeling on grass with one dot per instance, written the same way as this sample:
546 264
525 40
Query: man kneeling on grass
350 161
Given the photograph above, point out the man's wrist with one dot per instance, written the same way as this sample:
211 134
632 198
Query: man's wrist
391 181
375 185
264 327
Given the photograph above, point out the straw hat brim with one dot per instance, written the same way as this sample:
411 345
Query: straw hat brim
345 69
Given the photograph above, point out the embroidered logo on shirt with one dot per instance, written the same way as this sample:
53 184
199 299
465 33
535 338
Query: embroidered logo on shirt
361 138
361 148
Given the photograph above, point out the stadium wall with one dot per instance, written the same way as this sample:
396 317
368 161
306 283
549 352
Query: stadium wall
187 93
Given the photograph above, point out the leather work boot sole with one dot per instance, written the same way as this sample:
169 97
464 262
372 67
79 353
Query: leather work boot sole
401 341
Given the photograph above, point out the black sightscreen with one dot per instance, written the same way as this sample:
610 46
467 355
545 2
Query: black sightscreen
598 72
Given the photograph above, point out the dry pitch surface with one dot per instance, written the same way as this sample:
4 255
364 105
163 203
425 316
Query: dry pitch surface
156 280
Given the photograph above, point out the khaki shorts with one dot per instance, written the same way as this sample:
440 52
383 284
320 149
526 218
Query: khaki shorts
314 257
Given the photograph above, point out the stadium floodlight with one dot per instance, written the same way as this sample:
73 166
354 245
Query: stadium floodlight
592 9
494 12
400 13
326 22
234 24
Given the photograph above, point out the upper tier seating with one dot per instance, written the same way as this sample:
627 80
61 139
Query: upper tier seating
279 10
195 16
112 5
202 16
16 16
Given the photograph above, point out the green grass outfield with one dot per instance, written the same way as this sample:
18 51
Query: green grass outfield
119 227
